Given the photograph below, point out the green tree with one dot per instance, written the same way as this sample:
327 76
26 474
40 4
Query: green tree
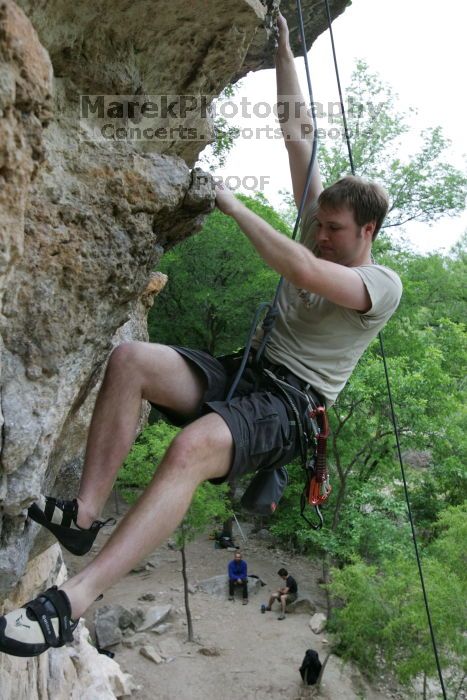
209 506
143 459
422 186
381 620
216 281
214 155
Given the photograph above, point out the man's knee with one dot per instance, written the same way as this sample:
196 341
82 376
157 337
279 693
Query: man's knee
133 357
124 356
185 448
204 447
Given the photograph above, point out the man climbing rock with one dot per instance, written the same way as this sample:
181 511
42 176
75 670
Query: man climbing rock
333 303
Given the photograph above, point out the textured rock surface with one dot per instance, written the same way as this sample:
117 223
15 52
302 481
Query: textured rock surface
315 22
69 673
82 234
318 623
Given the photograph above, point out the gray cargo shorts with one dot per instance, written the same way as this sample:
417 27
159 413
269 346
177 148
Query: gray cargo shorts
263 427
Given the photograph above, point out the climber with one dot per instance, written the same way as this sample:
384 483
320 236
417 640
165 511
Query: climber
333 304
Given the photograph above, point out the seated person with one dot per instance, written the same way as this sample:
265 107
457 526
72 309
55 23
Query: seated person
286 594
238 576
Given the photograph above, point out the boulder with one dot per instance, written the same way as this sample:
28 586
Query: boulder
318 623
72 671
155 615
106 621
150 653
301 605
219 585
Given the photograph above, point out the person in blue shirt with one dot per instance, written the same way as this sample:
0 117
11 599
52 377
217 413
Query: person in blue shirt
238 576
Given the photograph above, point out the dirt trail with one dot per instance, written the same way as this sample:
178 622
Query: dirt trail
258 656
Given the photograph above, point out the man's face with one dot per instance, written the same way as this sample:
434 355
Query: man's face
238 557
339 238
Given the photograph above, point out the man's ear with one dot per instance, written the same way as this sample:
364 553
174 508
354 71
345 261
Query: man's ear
369 230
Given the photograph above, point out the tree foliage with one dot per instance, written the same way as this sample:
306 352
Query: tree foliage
422 186
382 621
216 281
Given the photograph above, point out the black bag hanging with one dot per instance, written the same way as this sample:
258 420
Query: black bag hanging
265 491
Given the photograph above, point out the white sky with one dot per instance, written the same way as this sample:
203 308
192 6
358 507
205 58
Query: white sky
417 47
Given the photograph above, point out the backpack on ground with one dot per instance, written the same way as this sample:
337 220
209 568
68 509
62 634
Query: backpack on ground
311 667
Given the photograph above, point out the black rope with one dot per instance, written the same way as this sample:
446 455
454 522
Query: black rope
388 385
338 80
268 323
269 320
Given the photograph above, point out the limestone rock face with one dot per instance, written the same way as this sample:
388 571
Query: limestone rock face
82 229
260 54
70 672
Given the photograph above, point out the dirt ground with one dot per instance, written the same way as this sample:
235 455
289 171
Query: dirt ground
257 657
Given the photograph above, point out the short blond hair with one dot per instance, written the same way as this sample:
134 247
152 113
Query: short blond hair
367 200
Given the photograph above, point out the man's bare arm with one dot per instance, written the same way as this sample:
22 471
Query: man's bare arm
298 127
292 260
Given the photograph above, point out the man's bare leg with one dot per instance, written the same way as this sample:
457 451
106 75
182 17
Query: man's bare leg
201 451
135 371
283 603
274 596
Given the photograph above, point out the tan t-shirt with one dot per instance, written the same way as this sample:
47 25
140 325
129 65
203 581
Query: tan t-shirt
322 342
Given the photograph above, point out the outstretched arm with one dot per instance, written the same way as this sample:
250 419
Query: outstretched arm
292 260
296 124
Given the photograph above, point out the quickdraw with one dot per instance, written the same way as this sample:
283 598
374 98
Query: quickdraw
317 488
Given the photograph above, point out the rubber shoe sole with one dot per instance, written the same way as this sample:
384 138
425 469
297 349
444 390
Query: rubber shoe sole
78 542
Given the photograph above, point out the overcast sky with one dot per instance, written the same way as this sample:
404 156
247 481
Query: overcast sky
417 47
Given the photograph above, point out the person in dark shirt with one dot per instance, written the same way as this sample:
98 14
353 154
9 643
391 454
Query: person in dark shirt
238 576
286 594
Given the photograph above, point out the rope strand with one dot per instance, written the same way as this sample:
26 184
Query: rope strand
388 385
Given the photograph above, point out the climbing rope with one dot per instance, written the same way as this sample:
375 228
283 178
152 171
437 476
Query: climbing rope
317 487
269 320
388 383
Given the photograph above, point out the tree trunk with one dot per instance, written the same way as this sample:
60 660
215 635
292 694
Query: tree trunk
228 524
339 503
227 527
326 578
186 594
323 666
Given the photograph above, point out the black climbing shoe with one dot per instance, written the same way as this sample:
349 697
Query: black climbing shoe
60 518
42 623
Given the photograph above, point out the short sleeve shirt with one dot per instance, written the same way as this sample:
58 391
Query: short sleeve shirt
320 341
